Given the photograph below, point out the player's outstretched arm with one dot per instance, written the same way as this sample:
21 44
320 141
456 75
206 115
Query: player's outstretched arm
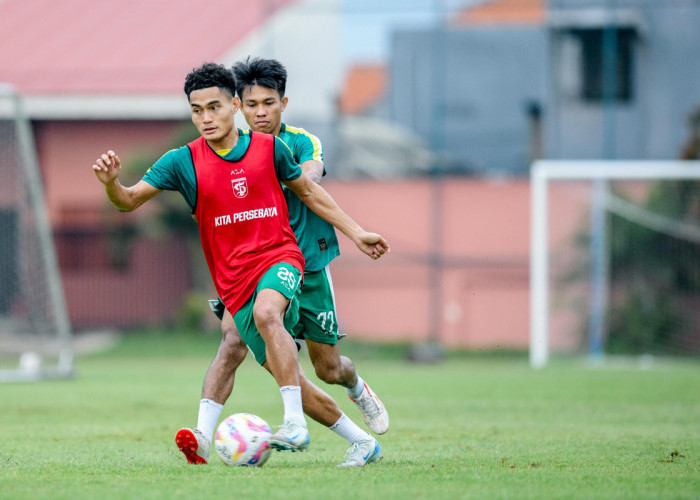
318 200
313 169
107 169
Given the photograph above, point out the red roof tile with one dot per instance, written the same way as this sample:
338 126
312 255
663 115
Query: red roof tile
503 11
364 85
118 46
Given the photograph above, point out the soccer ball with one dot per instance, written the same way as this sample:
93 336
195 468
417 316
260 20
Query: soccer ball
243 439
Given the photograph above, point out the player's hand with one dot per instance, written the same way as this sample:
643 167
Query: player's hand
107 167
372 244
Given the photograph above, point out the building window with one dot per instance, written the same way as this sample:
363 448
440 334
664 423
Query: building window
592 50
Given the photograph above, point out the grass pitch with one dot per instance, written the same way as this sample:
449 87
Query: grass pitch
470 427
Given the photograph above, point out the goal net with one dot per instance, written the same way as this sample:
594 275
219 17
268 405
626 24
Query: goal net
615 258
35 334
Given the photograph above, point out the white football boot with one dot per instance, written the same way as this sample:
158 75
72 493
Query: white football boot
362 453
194 445
373 411
290 436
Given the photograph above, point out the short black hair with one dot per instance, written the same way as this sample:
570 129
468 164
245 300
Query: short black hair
269 73
209 75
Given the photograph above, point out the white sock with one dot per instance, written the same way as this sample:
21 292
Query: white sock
209 413
293 409
347 429
356 391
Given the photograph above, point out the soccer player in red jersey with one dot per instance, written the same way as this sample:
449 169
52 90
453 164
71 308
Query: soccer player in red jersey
231 181
260 85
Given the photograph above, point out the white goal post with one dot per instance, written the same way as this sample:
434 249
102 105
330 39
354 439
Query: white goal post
541 175
34 324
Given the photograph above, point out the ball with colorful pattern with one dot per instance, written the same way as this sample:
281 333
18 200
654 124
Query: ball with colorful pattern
243 439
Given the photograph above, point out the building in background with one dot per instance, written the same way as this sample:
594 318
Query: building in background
653 95
500 83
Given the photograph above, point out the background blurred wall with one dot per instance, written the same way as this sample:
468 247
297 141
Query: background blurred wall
469 93
656 50
481 260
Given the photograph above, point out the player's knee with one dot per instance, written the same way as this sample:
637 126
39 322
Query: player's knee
265 314
233 346
329 373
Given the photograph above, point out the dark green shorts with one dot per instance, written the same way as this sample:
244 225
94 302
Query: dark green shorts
286 279
317 315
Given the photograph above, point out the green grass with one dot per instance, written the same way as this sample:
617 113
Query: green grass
471 427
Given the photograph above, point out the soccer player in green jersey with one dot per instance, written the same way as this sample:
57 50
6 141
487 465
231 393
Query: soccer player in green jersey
250 249
261 87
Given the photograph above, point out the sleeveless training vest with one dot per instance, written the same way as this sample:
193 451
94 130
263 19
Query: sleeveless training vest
242 217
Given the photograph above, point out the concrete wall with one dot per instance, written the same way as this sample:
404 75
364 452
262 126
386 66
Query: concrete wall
483 268
468 92
653 123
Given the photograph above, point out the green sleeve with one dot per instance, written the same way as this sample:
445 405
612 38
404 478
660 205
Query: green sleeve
308 147
286 167
174 171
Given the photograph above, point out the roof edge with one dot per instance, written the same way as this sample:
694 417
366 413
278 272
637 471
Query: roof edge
113 107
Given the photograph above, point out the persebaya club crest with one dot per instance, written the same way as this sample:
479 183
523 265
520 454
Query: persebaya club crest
240 187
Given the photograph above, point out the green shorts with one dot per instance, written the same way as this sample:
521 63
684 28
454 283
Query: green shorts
317 316
286 279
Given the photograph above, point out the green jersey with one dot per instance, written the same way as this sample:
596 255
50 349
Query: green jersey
316 237
174 171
